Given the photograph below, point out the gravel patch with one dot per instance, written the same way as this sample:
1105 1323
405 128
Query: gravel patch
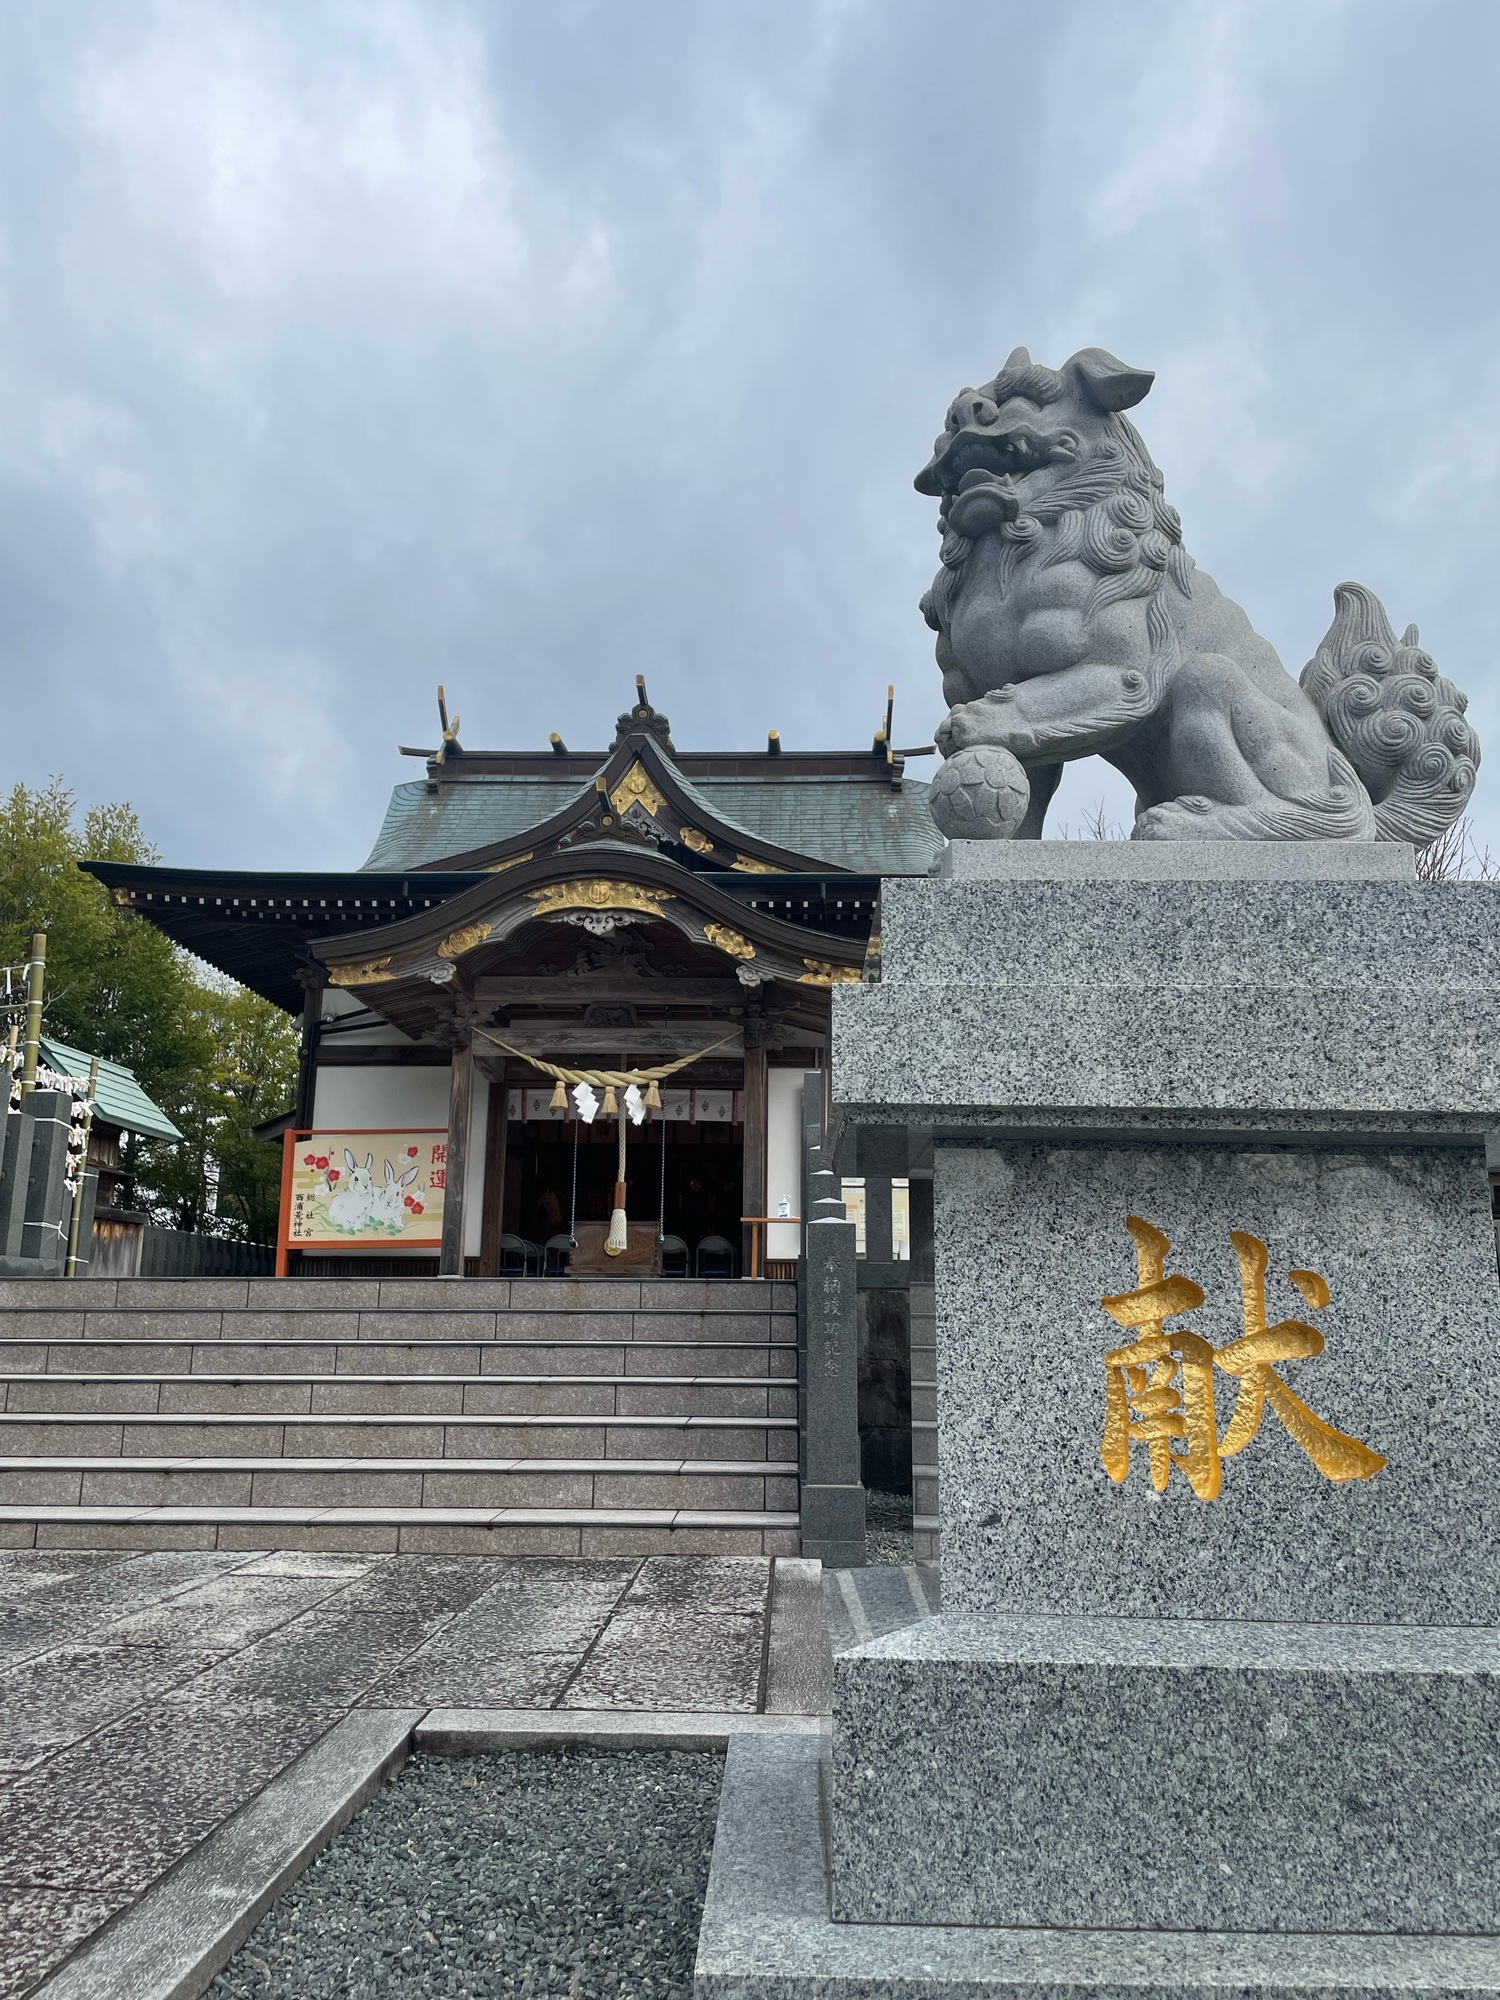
888 1530
576 1872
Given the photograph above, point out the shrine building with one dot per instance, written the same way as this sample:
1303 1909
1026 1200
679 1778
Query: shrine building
552 961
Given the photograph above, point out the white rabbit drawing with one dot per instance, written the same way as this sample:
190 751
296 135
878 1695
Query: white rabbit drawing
387 1204
350 1207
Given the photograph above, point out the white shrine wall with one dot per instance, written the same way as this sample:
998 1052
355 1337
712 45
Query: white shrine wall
381 1099
784 1159
392 1098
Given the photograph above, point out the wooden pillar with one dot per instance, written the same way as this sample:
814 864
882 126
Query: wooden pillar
310 979
460 1119
497 1135
753 1197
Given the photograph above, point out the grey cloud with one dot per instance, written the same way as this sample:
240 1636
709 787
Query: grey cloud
344 349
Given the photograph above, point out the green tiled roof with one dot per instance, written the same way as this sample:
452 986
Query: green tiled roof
119 1099
423 827
846 823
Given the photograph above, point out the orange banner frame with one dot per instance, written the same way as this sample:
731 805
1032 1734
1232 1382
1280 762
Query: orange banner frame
291 1141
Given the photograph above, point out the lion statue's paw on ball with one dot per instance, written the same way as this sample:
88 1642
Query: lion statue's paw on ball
981 793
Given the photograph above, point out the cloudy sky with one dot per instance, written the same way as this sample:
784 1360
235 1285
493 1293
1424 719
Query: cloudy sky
346 348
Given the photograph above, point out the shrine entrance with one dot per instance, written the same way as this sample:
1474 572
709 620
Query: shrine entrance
685 1180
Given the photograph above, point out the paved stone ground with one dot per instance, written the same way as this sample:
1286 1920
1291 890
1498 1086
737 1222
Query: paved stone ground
146 1697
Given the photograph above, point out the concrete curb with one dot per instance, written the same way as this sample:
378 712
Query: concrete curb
183 1931
469 1732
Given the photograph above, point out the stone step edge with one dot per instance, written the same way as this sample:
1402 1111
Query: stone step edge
454 1517
251 1377
749 1308
753 1468
83 1342
399 1420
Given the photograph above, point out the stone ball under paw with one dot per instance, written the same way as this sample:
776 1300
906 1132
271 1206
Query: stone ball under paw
981 793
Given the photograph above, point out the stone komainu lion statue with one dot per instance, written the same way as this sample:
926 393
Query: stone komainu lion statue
1072 622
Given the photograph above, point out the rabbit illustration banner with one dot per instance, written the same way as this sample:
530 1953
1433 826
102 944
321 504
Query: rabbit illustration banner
364 1187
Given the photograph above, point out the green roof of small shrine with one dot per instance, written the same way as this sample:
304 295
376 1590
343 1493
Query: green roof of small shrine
118 1099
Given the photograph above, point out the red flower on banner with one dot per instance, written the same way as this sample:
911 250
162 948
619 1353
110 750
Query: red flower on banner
310 1160
333 1173
416 1208
411 1152
321 1161
407 1202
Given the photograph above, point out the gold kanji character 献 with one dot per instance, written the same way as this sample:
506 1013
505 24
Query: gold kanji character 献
1163 1381
1159 1389
1253 1359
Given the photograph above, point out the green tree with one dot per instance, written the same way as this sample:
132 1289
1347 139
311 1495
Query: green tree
217 1059
221 1178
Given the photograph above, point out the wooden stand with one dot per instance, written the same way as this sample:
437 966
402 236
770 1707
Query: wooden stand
641 1258
754 1224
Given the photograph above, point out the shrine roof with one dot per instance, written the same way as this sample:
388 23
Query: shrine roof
118 1097
798 840
842 811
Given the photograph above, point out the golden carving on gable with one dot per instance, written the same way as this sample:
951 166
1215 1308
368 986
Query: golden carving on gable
699 842
636 789
458 942
729 941
599 895
510 861
821 973
368 973
748 865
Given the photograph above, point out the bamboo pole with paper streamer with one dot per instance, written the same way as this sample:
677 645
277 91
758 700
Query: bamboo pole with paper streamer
83 1168
36 972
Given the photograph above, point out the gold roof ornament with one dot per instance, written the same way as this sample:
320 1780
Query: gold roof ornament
510 861
369 973
594 894
748 865
726 940
699 842
636 789
821 972
458 942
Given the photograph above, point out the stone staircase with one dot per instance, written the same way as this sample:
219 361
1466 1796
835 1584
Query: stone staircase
557 1417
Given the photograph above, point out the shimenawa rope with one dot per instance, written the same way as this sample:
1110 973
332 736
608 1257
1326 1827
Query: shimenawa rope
608 1078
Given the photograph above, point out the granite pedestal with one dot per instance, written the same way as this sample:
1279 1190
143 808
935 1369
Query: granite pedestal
1240 1681
34 1204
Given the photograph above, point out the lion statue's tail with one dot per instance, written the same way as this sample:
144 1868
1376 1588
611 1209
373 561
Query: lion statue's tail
1395 717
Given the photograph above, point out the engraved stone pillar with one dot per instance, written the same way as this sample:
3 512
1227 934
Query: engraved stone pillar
1220 1642
833 1496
